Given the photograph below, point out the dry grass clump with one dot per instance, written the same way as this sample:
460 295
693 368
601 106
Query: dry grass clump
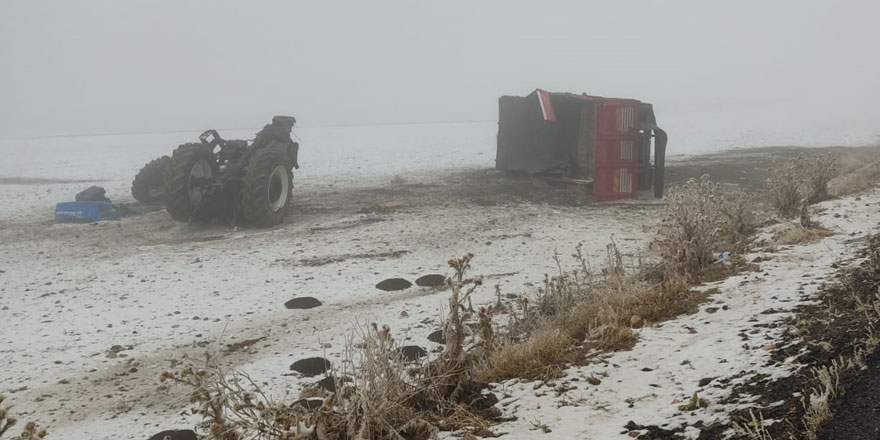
806 231
31 430
542 356
802 178
694 403
699 220
604 320
597 316
797 234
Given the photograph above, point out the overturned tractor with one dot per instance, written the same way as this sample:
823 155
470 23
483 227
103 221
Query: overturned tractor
230 180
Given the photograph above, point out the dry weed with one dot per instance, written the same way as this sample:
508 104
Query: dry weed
785 186
739 220
699 220
694 403
233 406
31 430
802 178
819 170
754 428
312 392
382 401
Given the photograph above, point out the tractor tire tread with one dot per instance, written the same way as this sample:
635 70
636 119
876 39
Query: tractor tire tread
254 206
151 175
176 179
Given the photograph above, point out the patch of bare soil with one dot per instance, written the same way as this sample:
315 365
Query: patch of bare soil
750 167
858 416
323 261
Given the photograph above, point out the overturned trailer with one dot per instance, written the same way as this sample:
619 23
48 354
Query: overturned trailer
583 139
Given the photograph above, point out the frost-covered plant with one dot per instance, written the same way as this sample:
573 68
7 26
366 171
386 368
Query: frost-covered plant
233 407
691 227
739 219
701 218
819 169
799 179
785 185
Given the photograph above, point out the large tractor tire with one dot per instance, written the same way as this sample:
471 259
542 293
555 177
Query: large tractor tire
148 185
266 188
191 167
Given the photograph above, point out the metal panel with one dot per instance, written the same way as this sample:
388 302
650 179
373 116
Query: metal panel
524 138
607 140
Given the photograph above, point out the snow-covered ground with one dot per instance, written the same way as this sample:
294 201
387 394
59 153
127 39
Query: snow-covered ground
167 292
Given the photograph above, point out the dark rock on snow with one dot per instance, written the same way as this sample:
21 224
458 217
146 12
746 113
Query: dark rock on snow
432 280
183 434
392 284
305 302
437 337
328 383
413 352
311 366
633 426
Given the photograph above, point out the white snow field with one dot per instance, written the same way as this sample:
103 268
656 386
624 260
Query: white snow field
167 292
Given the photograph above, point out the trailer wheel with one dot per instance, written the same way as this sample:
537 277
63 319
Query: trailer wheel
266 187
148 185
191 168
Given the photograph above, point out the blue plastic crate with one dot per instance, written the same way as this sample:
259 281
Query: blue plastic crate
85 211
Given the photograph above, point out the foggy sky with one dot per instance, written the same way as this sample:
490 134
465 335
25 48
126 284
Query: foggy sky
81 67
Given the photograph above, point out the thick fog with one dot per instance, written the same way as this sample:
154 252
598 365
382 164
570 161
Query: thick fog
90 67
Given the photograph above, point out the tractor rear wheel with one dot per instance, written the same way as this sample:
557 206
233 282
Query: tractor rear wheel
148 185
187 178
266 187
